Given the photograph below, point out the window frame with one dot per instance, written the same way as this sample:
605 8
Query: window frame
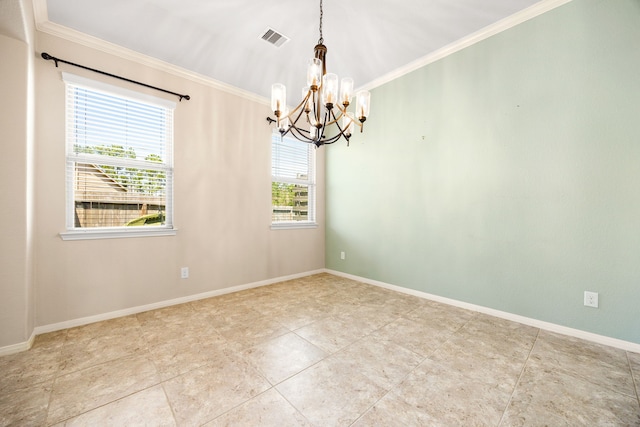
310 182
77 233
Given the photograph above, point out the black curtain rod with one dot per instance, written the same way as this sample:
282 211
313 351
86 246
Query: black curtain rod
56 60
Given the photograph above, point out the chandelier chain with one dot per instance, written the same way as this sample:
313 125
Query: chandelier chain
321 39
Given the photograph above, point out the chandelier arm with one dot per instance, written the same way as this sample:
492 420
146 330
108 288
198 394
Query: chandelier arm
302 134
331 140
337 123
299 135
343 112
335 119
299 107
303 102
300 131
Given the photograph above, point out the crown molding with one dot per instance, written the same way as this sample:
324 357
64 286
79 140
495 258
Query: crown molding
45 26
480 35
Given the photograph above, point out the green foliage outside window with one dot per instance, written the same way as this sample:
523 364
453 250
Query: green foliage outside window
282 194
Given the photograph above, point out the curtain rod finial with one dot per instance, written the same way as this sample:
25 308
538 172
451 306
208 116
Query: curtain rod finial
48 57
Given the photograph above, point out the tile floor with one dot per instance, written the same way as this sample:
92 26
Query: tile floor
317 351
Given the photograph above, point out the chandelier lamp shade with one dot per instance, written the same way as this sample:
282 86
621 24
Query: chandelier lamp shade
322 117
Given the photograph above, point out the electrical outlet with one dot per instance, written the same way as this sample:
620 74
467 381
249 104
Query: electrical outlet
591 299
184 273
343 255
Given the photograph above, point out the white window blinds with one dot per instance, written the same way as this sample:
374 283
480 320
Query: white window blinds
119 150
292 181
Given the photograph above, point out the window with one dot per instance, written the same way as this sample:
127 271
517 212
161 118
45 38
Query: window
119 161
292 183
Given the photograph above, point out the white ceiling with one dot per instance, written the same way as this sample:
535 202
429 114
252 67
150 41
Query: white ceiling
366 39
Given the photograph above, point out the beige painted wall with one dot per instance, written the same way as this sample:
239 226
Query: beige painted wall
222 201
13 264
16 306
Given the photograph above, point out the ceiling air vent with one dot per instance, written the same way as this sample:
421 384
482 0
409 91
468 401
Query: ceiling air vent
275 38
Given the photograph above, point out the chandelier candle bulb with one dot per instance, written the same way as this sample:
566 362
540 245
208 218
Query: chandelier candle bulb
278 98
314 73
346 91
363 104
329 89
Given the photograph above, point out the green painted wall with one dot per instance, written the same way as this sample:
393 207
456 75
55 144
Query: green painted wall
506 175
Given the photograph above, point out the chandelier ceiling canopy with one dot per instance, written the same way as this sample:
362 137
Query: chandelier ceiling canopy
322 117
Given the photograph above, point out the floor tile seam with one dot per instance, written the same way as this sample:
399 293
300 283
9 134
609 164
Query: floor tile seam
57 375
166 396
422 359
274 385
490 353
292 405
247 322
449 336
260 341
364 412
327 354
600 359
393 389
251 398
263 375
375 330
515 386
39 382
46 412
205 364
585 378
99 406
423 355
470 378
173 376
206 421
310 323
144 351
603 359
68 346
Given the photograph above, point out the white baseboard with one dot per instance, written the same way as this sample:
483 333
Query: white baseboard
552 327
23 346
17 348
600 339
139 309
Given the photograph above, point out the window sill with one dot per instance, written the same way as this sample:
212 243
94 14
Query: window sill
116 233
292 225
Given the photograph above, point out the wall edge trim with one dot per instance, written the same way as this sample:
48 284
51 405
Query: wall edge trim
547 326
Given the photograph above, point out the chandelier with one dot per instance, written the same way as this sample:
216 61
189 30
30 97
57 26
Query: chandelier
323 104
